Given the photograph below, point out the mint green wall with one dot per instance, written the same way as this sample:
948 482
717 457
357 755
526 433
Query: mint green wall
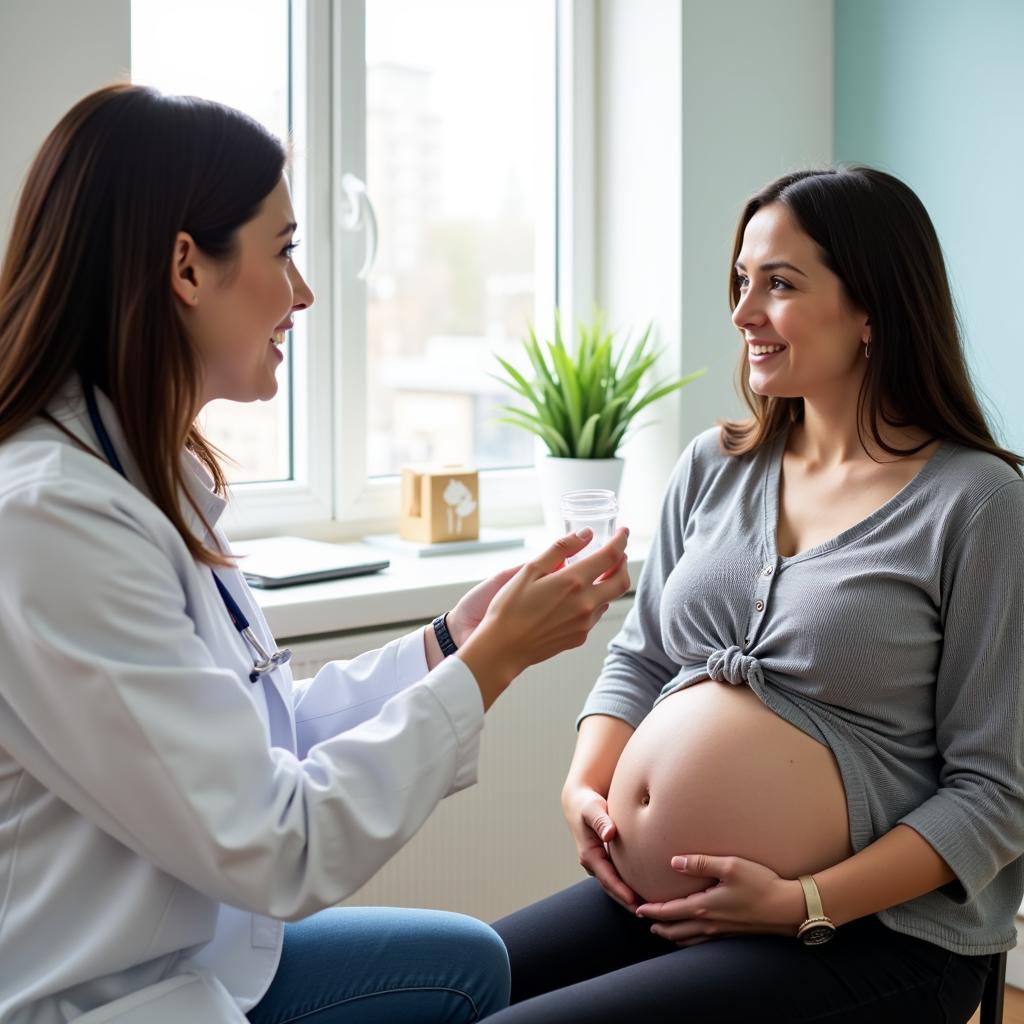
933 91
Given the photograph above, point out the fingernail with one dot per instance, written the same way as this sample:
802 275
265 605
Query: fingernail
605 834
679 863
585 534
639 912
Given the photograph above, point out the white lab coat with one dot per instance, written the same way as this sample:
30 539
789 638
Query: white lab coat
156 808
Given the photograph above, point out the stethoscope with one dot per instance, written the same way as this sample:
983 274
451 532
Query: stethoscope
263 662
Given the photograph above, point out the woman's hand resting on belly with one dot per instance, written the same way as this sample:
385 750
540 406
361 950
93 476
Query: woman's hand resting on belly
584 801
743 898
586 811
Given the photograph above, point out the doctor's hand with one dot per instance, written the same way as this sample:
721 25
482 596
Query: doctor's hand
463 619
545 608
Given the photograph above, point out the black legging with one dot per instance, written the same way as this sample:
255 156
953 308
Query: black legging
578 956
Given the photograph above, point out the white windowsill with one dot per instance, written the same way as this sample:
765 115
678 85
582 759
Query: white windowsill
410 590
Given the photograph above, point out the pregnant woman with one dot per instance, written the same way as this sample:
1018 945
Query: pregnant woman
798 783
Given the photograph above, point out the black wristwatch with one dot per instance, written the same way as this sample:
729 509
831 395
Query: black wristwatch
444 638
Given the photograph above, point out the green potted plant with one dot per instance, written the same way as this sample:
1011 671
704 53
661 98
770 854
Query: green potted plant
582 404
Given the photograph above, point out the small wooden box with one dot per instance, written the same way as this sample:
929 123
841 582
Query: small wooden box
439 503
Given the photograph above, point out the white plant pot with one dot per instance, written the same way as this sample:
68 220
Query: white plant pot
560 475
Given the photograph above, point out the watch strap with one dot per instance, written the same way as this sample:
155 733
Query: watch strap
811 897
444 638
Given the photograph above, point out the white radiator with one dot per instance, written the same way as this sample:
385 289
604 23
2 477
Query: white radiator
502 843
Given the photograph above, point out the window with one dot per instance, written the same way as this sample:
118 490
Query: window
460 108
443 116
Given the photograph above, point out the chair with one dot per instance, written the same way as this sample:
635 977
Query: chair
992 996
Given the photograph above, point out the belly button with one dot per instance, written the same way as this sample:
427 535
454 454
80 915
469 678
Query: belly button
645 799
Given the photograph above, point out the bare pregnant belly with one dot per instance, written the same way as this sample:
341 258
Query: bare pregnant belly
712 770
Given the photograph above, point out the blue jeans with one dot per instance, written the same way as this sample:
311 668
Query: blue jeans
364 965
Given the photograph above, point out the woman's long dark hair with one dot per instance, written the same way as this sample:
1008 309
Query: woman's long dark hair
875 235
86 280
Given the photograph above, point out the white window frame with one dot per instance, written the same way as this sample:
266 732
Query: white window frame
331 495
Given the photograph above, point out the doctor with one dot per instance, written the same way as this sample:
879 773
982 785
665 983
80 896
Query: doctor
169 796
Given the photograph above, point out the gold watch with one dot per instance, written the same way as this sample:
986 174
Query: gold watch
818 928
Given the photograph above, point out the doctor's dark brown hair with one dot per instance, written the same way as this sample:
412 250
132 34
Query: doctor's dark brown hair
875 235
86 280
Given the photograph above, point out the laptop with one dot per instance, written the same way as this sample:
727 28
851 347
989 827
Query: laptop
286 561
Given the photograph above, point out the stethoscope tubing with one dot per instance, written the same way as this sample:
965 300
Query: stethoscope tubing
264 662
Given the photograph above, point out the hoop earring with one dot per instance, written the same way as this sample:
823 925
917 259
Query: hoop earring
867 350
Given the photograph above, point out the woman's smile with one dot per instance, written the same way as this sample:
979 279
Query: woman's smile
763 352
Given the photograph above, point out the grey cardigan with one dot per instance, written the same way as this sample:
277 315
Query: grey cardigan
899 644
